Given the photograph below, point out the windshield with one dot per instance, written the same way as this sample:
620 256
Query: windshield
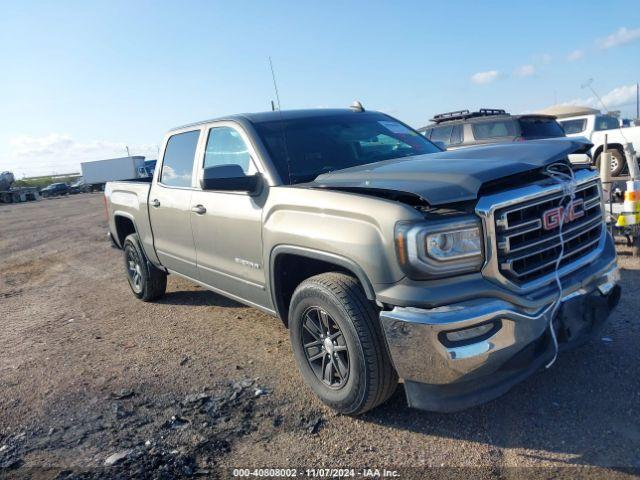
304 148
538 127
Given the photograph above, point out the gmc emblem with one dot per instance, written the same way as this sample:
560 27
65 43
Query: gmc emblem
552 217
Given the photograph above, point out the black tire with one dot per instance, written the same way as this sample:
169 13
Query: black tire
147 282
618 162
370 378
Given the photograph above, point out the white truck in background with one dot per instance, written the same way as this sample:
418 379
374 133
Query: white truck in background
595 126
99 172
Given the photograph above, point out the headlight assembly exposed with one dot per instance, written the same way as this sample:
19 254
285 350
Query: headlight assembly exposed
441 248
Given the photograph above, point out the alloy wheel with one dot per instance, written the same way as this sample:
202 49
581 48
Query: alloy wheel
614 163
134 270
325 348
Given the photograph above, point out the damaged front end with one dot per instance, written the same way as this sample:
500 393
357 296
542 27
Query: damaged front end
472 344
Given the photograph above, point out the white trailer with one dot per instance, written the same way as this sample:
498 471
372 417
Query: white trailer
99 172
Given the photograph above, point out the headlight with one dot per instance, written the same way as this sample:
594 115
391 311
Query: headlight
439 248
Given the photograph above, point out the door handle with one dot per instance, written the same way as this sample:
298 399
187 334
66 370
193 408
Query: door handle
155 203
199 209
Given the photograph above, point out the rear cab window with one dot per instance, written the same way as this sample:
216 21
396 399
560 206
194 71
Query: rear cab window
540 127
179 155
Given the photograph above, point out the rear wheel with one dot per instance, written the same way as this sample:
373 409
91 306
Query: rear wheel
617 162
147 282
338 344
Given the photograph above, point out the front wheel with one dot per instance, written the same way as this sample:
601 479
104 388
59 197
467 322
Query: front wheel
338 344
147 282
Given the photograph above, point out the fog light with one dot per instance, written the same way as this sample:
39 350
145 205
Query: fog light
469 333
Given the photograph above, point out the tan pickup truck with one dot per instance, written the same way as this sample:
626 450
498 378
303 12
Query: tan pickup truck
385 257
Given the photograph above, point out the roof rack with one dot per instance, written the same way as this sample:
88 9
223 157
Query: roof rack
464 114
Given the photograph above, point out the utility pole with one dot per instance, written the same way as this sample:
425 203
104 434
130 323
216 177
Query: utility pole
638 101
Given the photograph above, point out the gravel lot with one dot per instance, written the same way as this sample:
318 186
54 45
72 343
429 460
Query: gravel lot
197 384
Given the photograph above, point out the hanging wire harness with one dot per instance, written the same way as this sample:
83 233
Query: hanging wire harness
563 174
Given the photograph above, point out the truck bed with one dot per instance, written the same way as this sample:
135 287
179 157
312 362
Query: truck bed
129 199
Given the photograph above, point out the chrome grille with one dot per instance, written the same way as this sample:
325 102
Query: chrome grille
526 251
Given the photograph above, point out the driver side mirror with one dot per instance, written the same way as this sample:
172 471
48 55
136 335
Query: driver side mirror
230 178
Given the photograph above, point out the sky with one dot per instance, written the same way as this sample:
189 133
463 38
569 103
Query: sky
82 80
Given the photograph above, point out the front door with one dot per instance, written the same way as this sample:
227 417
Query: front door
227 226
170 205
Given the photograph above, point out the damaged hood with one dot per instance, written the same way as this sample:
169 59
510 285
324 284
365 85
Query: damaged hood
452 176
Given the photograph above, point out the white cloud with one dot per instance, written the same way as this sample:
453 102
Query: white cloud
525 71
620 37
59 153
25 145
620 96
484 78
616 98
576 55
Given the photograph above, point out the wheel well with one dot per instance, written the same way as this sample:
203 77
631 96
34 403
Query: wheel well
610 146
290 270
124 227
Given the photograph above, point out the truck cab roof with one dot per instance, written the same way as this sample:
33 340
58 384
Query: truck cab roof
279 115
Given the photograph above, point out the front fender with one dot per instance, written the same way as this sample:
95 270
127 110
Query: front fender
353 231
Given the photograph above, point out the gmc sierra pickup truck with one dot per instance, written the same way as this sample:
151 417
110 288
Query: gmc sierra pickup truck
460 272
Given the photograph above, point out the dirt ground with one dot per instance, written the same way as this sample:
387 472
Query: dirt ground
196 384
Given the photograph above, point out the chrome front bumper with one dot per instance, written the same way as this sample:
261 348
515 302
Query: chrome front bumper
442 375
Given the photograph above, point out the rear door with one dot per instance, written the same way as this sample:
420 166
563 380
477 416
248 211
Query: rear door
170 204
227 226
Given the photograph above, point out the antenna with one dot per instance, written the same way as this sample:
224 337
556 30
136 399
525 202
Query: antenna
282 127
587 84
275 85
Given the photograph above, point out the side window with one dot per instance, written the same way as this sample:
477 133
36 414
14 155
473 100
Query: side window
606 122
494 129
456 135
427 133
177 166
442 134
225 146
574 126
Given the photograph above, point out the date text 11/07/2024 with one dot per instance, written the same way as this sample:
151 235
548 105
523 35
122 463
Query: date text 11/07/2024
316 473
